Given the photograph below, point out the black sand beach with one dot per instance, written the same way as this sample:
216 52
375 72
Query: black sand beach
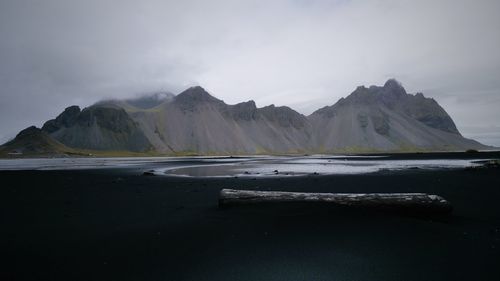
116 224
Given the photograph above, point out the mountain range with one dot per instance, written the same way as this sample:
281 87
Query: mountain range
374 119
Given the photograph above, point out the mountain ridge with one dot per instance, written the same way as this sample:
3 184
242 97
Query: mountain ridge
374 119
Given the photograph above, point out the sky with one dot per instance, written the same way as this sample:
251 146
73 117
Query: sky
300 53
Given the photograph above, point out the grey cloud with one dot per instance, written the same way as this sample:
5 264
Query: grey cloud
304 54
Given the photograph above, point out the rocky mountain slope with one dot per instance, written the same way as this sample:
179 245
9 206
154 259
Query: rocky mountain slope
97 128
194 122
387 119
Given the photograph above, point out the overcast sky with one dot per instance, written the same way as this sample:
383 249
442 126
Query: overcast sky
301 53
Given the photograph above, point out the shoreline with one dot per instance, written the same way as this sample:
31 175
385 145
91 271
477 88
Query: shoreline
113 154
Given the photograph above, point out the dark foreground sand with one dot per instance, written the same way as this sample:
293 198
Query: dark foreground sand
116 224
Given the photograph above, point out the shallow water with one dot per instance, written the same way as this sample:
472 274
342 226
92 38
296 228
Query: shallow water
311 166
262 166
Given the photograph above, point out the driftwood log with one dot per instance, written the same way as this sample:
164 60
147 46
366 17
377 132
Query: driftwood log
410 201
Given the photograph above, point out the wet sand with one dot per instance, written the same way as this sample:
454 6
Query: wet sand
116 224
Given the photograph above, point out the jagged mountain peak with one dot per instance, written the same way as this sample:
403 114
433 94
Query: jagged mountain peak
389 93
195 95
284 115
72 109
243 110
249 103
393 97
195 92
245 106
31 130
420 95
393 88
393 83
66 119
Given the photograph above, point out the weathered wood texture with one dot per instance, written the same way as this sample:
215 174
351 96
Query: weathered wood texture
418 201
